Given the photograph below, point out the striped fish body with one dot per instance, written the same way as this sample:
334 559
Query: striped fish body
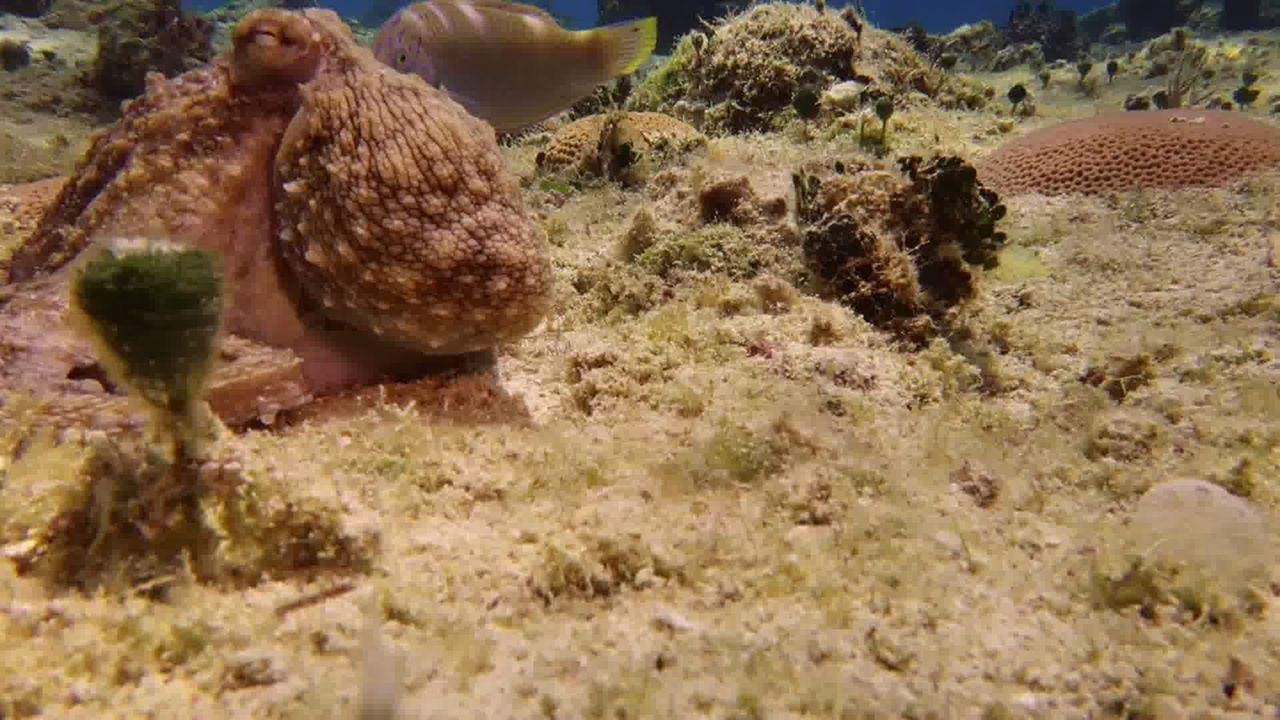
508 63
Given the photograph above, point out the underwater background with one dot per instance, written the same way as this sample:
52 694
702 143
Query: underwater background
933 15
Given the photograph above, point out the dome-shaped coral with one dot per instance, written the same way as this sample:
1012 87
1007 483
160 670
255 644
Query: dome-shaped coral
611 144
1125 151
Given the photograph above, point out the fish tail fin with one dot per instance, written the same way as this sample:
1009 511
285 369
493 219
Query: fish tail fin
627 44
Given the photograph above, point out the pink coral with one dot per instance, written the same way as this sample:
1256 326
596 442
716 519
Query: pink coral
1124 151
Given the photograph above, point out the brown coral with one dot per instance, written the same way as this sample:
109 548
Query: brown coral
574 145
1125 151
621 146
402 235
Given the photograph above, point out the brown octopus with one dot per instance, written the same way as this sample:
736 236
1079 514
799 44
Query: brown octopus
366 221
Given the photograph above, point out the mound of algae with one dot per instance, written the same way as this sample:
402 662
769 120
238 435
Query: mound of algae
761 69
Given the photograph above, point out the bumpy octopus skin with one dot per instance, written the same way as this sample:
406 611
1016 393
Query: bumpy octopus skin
365 220
403 217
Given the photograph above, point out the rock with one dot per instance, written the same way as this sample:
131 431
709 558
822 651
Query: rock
1103 22
26 8
1029 54
1199 525
1241 15
794 46
844 96
858 224
1148 18
14 54
757 71
1053 29
141 36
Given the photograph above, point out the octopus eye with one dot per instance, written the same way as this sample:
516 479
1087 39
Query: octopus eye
403 58
273 46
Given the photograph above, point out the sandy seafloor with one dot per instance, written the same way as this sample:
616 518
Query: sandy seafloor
727 509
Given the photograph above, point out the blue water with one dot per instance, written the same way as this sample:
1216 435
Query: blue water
935 15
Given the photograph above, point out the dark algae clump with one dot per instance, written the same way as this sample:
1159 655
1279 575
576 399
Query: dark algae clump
157 315
902 258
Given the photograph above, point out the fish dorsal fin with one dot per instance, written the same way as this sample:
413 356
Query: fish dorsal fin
514 8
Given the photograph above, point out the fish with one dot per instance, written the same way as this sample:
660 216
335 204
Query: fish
509 63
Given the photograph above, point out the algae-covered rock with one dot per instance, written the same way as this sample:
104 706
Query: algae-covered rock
141 36
746 69
977 44
770 65
1190 544
14 54
901 249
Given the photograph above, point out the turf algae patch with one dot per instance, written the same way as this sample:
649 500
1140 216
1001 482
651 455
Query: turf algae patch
96 525
602 566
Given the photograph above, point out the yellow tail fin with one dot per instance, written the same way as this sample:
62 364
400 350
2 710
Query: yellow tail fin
627 44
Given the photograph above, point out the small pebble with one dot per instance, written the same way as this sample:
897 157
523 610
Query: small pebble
668 619
14 55
1204 527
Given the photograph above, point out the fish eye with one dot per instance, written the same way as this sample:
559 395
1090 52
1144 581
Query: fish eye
403 58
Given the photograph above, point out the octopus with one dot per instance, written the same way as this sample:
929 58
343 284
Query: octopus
367 226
